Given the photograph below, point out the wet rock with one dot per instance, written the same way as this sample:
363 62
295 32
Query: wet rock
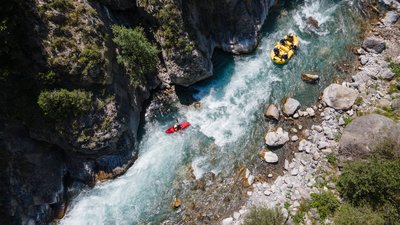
373 44
339 97
310 78
277 138
272 112
176 203
290 106
365 133
311 21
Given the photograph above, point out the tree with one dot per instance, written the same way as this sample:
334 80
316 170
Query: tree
136 53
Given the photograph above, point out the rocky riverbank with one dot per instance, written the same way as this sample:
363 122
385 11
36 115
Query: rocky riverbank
344 125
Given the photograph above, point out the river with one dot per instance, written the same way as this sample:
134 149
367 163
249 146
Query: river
227 128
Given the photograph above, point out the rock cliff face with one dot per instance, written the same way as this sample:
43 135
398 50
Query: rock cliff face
65 44
231 25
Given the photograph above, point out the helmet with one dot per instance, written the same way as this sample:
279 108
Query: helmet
282 41
290 35
275 49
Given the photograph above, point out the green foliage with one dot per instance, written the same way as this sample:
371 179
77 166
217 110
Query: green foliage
392 88
388 112
47 78
136 53
90 57
374 182
349 215
325 203
359 101
331 157
302 210
395 68
347 120
61 104
264 216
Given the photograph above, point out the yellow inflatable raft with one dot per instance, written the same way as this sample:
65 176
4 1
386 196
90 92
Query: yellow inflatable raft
284 50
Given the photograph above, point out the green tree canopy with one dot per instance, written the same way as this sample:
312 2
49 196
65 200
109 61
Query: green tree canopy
136 53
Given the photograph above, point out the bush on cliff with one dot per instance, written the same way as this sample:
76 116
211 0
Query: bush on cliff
61 104
136 53
264 216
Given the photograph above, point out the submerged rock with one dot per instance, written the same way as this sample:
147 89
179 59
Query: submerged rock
290 106
339 97
277 138
311 78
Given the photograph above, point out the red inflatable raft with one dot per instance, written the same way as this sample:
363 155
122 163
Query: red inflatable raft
171 130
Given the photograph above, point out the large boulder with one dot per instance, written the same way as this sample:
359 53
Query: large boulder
290 106
272 112
373 44
365 133
339 97
277 138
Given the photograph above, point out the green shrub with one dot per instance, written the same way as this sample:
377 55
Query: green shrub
136 53
374 182
325 203
90 57
359 101
61 104
47 78
303 209
331 157
395 68
264 216
388 112
347 120
349 215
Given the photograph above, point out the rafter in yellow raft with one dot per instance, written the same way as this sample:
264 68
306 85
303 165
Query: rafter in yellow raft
285 49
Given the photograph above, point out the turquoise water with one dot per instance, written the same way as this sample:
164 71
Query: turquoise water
228 126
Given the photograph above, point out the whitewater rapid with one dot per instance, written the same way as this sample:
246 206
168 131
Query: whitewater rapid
230 105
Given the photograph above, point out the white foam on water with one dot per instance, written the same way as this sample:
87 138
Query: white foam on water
315 10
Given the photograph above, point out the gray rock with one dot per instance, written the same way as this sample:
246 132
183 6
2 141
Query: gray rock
339 97
395 104
373 44
390 18
365 133
296 115
294 138
236 215
270 175
286 164
290 106
267 193
272 112
311 78
227 221
294 172
316 155
323 144
277 138
387 75
364 59
270 157
310 112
